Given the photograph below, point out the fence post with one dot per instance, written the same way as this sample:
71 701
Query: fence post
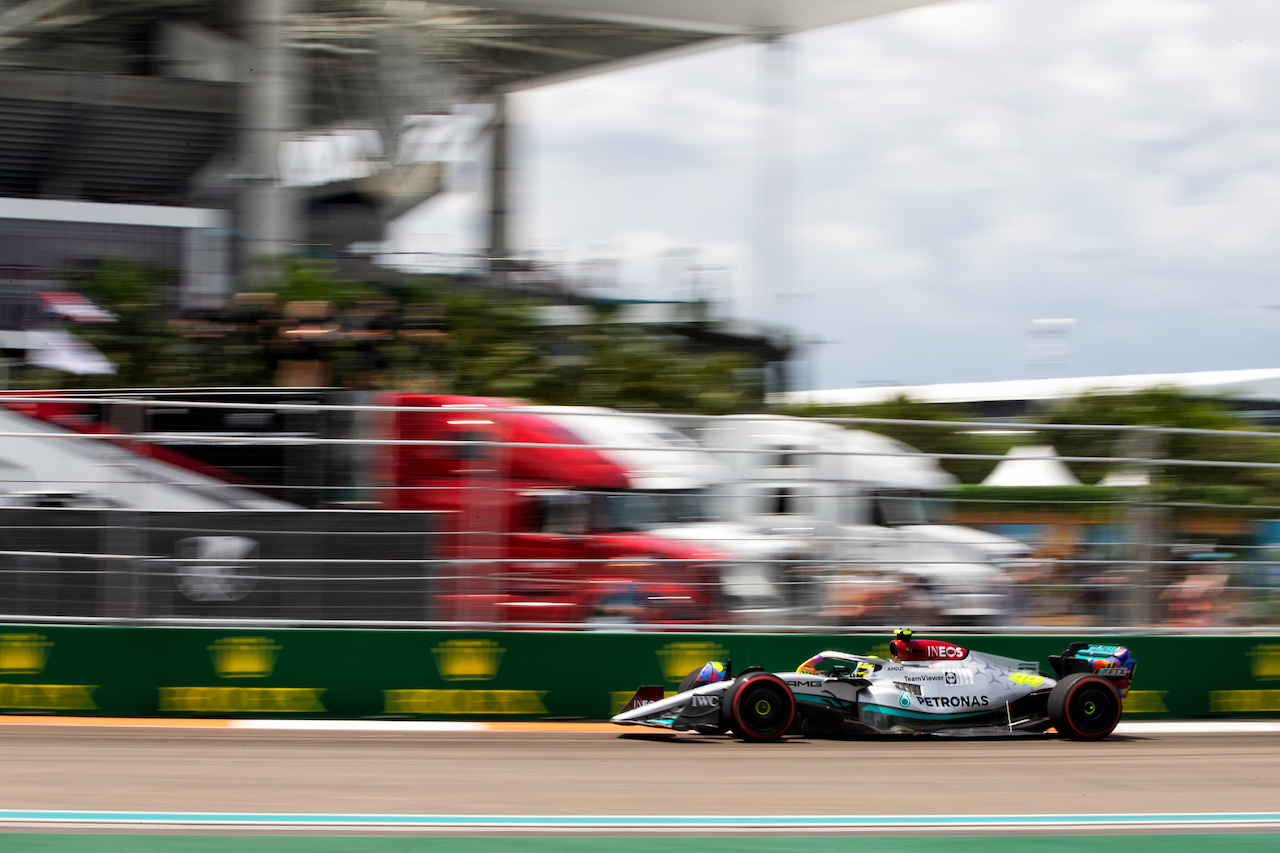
1145 520
124 584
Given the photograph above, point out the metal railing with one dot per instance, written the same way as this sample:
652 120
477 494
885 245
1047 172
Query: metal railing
500 549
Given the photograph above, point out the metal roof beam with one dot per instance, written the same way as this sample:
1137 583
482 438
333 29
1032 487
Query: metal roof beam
530 47
26 14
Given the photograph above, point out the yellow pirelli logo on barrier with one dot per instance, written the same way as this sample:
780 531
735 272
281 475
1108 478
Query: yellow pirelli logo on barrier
244 657
241 700
47 697
434 702
468 660
1244 701
1146 702
680 659
23 654
1264 661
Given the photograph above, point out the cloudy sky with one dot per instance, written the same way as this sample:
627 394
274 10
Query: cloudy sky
955 172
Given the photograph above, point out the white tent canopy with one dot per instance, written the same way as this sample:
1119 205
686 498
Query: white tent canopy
1031 466
1126 479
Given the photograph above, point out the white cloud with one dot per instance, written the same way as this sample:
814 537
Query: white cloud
958 25
1091 74
959 169
863 251
1103 20
717 114
1244 217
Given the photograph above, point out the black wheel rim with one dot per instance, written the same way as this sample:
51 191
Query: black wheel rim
763 709
1093 710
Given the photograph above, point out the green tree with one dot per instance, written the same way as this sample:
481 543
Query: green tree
294 278
1169 407
487 345
495 347
144 350
628 367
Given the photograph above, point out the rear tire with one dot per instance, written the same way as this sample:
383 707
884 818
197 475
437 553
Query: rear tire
1083 706
761 707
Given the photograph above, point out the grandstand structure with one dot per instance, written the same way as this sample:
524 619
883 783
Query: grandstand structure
119 112
187 102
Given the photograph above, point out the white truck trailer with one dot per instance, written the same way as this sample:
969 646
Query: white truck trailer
862 499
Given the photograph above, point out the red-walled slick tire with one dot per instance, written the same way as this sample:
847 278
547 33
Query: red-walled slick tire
691 681
1084 706
762 707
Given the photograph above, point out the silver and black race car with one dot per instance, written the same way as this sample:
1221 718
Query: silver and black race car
924 686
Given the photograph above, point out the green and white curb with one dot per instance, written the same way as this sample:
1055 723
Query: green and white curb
796 823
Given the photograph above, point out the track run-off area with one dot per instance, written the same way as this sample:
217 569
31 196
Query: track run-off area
223 786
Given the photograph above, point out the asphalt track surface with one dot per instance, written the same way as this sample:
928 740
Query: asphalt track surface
628 772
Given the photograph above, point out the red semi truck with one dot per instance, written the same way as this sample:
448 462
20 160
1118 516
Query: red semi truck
516 490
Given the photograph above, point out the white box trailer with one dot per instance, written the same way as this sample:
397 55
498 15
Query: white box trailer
862 499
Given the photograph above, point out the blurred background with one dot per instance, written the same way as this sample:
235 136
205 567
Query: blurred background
597 313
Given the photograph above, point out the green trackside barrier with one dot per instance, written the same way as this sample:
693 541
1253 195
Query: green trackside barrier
517 675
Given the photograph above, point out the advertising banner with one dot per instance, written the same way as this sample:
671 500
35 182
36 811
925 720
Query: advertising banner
412 674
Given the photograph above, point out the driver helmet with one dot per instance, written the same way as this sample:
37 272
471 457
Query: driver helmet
712 672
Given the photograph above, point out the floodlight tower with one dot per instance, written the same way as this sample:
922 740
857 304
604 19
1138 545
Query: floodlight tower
267 215
1047 345
772 298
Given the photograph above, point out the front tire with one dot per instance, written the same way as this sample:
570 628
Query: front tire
1083 706
691 680
761 707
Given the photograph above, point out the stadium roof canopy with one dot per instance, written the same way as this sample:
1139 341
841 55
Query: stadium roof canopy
712 16
118 100
494 43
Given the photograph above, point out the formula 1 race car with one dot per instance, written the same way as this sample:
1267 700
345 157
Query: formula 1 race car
924 686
